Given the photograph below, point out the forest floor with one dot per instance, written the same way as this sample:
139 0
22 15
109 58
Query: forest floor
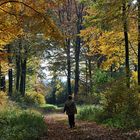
58 129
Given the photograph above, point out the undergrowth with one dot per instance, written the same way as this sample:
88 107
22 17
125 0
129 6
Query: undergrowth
19 124
120 108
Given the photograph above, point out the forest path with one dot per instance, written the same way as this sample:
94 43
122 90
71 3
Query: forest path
58 130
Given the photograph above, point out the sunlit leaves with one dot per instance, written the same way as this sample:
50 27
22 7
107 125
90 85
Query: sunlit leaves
104 35
27 19
112 46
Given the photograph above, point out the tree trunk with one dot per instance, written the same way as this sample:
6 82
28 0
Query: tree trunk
18 68
2 80
138 42
10 75
77 72
79 12
10 72
68 67
125 26
23 77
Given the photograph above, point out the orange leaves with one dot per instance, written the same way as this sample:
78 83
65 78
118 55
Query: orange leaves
9 28
112 46
30 16
8 33
103 34
90 36
26 18
108 43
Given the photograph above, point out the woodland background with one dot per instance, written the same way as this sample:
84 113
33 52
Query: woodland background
50 49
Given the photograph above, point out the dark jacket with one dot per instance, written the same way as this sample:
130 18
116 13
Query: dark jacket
70 107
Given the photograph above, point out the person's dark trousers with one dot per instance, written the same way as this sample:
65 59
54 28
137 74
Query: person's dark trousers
71 120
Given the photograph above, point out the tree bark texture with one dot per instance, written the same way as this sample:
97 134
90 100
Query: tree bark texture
77 72
10 75
23 77
68 67
125 27
18 72
79 12
10 72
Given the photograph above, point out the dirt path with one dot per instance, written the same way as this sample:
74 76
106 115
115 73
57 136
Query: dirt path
58 130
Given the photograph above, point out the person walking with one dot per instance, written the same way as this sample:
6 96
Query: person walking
71 110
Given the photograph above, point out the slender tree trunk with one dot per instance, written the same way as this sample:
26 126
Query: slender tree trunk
2 80
23 77
18 71
77 72
18 67
68 67
21 82
10 72
10 89
138 42
125 26
79 12
65 15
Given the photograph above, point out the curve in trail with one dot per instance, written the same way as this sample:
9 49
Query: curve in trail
58 130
